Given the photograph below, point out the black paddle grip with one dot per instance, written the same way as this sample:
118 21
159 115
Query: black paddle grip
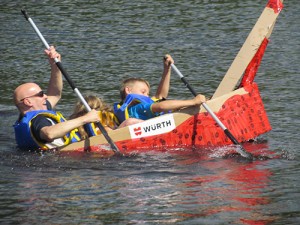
25 14
64 72
231 137
189 86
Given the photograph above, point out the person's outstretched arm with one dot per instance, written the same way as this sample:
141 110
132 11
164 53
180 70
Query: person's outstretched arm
49 133
168 105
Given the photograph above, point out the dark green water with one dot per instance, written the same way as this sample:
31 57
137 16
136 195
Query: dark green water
103 42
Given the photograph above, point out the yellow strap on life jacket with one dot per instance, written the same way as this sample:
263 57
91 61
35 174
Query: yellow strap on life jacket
57 118
109 119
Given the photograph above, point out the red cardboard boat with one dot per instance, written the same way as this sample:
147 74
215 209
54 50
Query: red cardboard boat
241 110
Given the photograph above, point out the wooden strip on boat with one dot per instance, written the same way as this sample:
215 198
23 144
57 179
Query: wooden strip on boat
262 29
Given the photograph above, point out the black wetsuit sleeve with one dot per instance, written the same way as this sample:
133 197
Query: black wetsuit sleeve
38 123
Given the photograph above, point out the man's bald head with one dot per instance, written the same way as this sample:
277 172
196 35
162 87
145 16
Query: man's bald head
25 90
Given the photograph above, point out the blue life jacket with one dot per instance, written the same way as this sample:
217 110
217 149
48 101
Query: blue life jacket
90 129
25 138
121 111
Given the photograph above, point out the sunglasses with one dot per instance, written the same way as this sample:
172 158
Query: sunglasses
39 94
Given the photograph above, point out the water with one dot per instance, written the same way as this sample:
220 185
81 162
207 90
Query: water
103 42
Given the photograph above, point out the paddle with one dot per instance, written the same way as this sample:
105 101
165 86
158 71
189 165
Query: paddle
64 72
240 150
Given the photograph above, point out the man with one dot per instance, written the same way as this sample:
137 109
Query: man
38 126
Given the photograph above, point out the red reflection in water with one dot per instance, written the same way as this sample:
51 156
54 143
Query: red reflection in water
231 188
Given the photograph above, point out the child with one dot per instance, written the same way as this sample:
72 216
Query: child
106 115
136 103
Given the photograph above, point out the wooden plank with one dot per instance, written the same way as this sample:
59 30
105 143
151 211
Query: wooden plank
262 29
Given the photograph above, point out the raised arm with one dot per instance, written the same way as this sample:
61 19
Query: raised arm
55 86
164 85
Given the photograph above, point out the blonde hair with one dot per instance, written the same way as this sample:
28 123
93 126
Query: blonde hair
129 83
107 118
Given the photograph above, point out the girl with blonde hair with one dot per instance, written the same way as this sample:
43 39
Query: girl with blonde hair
106 115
